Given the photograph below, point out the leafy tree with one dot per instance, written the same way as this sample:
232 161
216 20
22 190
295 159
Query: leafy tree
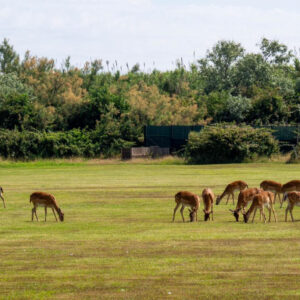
252 70
268 107
217 68
275 52
9 59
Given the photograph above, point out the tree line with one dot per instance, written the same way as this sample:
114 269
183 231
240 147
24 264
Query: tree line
109 106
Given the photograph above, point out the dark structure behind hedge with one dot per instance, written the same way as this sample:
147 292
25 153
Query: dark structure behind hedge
175 137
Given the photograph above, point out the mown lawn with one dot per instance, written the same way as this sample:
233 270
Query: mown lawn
118 242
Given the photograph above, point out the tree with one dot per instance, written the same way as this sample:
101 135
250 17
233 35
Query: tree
216 69
274 52
252 70
9 59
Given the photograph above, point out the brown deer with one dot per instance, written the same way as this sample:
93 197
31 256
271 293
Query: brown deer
293 199
184 199
229 190
208 202
293 185
245 196
260 200
272 186
45 200
1 192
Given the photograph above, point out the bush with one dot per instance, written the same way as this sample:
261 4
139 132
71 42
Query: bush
31 145
229 144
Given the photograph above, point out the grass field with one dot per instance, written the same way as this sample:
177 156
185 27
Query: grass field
118 242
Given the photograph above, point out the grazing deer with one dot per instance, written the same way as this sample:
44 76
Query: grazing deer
245 196
293 185
261 200
45 200
293 199
1 192
208 202
272 186
187 199
230 188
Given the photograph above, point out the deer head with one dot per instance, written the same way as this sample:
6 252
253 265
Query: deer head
61 215
206 215
235 213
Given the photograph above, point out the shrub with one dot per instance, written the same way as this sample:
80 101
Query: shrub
30 145
229 143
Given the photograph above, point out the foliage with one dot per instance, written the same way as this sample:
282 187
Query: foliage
33 144
229 143
111 104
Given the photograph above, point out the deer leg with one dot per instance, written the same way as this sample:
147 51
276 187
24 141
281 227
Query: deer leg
32 213
227 199
3 200
263 213
269 209
273 210
254 213
232 198
281 203
175 209
291 208
286 213
34 210
181 211
55 214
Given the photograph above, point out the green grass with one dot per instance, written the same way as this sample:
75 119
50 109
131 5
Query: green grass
118 242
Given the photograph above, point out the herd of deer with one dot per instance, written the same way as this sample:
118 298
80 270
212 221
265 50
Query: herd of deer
260 198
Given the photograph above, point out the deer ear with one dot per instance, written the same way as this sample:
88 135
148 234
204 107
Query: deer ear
204 211
231 210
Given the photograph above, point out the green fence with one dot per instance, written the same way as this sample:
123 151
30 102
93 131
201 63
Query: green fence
175 137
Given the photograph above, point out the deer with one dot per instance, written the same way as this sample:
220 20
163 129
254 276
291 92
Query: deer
261 200
293 199
45 200
1 192
229 190
293 185
272 186
184 199
245 196
208 202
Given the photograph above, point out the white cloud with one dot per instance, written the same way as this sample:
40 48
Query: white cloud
142 30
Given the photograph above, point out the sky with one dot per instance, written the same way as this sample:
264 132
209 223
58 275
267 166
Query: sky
149 32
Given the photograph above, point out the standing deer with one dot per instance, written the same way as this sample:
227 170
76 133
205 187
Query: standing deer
185 198
45 200
1 192
208 202
272 186
293 199
230 188
293 185
245 196
261 200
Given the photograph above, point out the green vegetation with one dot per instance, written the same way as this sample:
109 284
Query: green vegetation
107 106
118 242
230 143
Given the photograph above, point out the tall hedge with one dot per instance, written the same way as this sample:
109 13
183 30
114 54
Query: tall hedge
229 144
35 144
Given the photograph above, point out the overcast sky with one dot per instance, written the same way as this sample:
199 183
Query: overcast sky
143 31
